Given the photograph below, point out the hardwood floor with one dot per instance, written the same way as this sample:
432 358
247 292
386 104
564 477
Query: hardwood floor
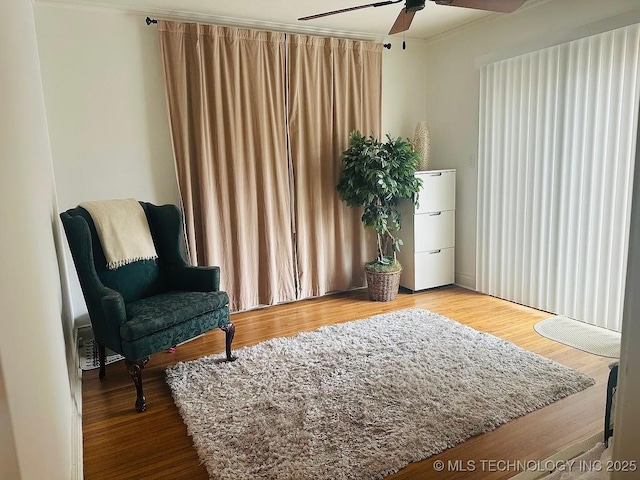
122 444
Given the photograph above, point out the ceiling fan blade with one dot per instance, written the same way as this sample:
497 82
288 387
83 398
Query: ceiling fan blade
505 6
403 22
343 10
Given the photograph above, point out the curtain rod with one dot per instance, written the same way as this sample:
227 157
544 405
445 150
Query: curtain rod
150 20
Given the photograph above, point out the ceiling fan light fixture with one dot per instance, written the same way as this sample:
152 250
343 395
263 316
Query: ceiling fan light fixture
414 5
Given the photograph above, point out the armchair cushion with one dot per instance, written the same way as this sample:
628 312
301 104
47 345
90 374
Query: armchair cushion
169 337
165 310
135 280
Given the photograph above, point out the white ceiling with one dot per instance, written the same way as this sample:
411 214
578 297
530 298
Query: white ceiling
371 23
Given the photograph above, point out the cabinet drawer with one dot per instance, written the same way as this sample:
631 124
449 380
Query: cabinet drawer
434 230
438 191
434 268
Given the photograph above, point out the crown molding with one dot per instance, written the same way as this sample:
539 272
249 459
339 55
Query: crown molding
200 17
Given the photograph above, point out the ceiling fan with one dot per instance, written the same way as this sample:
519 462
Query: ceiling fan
403 22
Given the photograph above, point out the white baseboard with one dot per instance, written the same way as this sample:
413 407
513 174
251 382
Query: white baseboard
572 451
466 281
77 458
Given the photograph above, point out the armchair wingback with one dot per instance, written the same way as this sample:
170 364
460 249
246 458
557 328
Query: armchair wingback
146 306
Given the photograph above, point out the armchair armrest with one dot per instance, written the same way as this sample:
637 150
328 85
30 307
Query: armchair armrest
194 279
107 313
113 307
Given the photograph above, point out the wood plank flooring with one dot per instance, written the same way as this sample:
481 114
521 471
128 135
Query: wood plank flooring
121 444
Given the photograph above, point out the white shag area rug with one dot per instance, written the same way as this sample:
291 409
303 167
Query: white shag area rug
359 400
580 335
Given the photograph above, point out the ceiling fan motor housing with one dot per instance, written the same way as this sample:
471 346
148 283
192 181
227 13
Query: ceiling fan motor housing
414 5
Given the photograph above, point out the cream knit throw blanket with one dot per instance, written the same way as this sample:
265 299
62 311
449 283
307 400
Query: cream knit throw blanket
123 231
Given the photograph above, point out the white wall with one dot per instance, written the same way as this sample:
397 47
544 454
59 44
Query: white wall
8 456
106 107
36 394
404 78
104 92
453 89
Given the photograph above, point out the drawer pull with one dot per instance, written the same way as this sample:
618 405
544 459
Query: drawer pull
431 252
435 174
434 214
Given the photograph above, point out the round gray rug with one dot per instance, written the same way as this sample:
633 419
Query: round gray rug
580 335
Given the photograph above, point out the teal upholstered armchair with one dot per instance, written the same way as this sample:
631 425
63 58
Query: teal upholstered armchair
150 305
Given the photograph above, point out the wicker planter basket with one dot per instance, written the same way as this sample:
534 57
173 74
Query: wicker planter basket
383 287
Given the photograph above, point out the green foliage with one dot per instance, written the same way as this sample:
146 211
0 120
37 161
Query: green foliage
375 176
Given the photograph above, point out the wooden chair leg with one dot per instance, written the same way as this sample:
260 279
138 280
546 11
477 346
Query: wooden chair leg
135 370
102 360
229 331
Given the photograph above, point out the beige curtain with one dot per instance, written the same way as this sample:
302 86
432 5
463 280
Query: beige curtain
335 86
258 126
226 100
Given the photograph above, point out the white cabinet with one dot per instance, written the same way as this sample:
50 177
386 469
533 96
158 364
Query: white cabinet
428 232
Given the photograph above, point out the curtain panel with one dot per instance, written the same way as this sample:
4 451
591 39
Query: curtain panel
226 101
556 160
335 86
258 121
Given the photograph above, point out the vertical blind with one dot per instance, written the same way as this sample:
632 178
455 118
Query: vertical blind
556 157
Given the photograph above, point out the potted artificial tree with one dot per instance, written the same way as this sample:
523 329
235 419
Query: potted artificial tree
375 176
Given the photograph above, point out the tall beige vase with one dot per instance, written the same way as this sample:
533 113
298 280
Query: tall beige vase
422 145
